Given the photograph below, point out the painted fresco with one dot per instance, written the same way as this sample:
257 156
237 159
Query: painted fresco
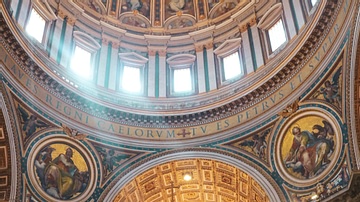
141 6
308 147
218 8
134 21
174 7
111 159
179 23
257 144
330 91
95 5
29 122
325 190
62 172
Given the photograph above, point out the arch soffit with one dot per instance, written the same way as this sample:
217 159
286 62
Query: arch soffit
134 171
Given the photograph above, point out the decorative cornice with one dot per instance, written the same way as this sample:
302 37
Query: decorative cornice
71 21
162 52
60 91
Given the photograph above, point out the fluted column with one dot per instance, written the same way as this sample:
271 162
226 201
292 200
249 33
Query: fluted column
255 43
57 36
113 66
299 15
23 13
66 51
13 6
211 65
248 63
151 85
290 22
201 81
162 72
101 72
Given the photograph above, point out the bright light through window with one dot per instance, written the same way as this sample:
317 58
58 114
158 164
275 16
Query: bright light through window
35 26
81 62
131 80
232 67
313 2
277 35
182 80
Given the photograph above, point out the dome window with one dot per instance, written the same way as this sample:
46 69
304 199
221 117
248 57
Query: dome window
132 73
229 63
231 66
182 72
83 57
274 30
182 80
314 2
35 26
311 6
277 35
38 22
131 79
81 62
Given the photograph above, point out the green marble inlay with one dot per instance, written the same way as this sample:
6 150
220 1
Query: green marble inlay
157 75
206 70
108 62
62 38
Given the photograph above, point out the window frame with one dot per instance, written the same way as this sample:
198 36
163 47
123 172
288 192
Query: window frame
134 60
48 16
271 51
88 44
310 7
223 79
226 49
268 20
181 61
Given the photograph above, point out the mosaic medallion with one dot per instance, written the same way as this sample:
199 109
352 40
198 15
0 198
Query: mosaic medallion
307 146
61 170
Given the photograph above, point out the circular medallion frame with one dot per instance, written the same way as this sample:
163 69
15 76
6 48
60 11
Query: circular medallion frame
79 150
311 156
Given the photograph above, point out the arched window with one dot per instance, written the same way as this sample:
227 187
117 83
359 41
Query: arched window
83 57
182 72
132 73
